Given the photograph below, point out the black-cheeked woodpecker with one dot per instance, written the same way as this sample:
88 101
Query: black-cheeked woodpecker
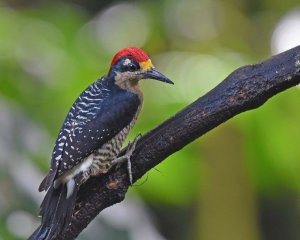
92 135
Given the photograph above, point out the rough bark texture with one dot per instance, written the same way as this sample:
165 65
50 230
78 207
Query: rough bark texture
246 88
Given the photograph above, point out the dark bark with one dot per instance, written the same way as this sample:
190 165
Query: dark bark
246 88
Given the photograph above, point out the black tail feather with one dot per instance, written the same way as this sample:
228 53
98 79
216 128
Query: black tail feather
56 212
47 181
40 233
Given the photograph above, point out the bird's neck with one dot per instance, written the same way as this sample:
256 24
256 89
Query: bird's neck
131 86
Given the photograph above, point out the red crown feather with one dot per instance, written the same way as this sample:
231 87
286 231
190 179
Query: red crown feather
135 53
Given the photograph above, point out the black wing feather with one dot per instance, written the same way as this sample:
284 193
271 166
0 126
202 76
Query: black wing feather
87 129
116 113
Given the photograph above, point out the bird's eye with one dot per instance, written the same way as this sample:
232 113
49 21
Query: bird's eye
131 67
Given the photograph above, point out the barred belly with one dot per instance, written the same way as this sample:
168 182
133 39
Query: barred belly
102 158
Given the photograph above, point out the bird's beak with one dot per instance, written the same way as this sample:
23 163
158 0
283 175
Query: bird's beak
152 73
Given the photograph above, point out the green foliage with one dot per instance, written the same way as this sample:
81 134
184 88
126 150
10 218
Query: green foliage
52 52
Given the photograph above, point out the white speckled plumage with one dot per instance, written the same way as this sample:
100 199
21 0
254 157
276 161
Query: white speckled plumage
92 136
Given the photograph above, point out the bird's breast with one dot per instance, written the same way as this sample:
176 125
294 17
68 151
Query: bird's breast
102 157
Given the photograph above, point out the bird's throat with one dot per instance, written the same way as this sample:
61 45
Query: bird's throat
131 85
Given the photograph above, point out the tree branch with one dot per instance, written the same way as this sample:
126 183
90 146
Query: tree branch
246 88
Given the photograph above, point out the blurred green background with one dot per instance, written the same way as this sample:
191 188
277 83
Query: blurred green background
241 181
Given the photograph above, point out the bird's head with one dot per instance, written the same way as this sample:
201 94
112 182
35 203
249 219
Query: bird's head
130 65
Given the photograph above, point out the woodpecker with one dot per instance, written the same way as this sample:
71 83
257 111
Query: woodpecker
92 135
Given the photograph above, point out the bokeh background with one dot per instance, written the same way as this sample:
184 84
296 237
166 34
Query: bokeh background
241 181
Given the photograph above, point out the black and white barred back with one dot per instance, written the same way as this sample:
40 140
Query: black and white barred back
90 138
97 123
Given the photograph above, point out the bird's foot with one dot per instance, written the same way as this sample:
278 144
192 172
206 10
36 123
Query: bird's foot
126 157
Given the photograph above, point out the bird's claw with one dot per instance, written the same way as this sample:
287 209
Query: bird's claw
131 145
126 157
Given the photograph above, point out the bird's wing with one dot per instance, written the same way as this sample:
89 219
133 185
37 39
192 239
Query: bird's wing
78 139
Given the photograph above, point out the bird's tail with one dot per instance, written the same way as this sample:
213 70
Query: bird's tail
56 211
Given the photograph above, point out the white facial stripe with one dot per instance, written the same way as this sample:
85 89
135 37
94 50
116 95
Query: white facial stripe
127 62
